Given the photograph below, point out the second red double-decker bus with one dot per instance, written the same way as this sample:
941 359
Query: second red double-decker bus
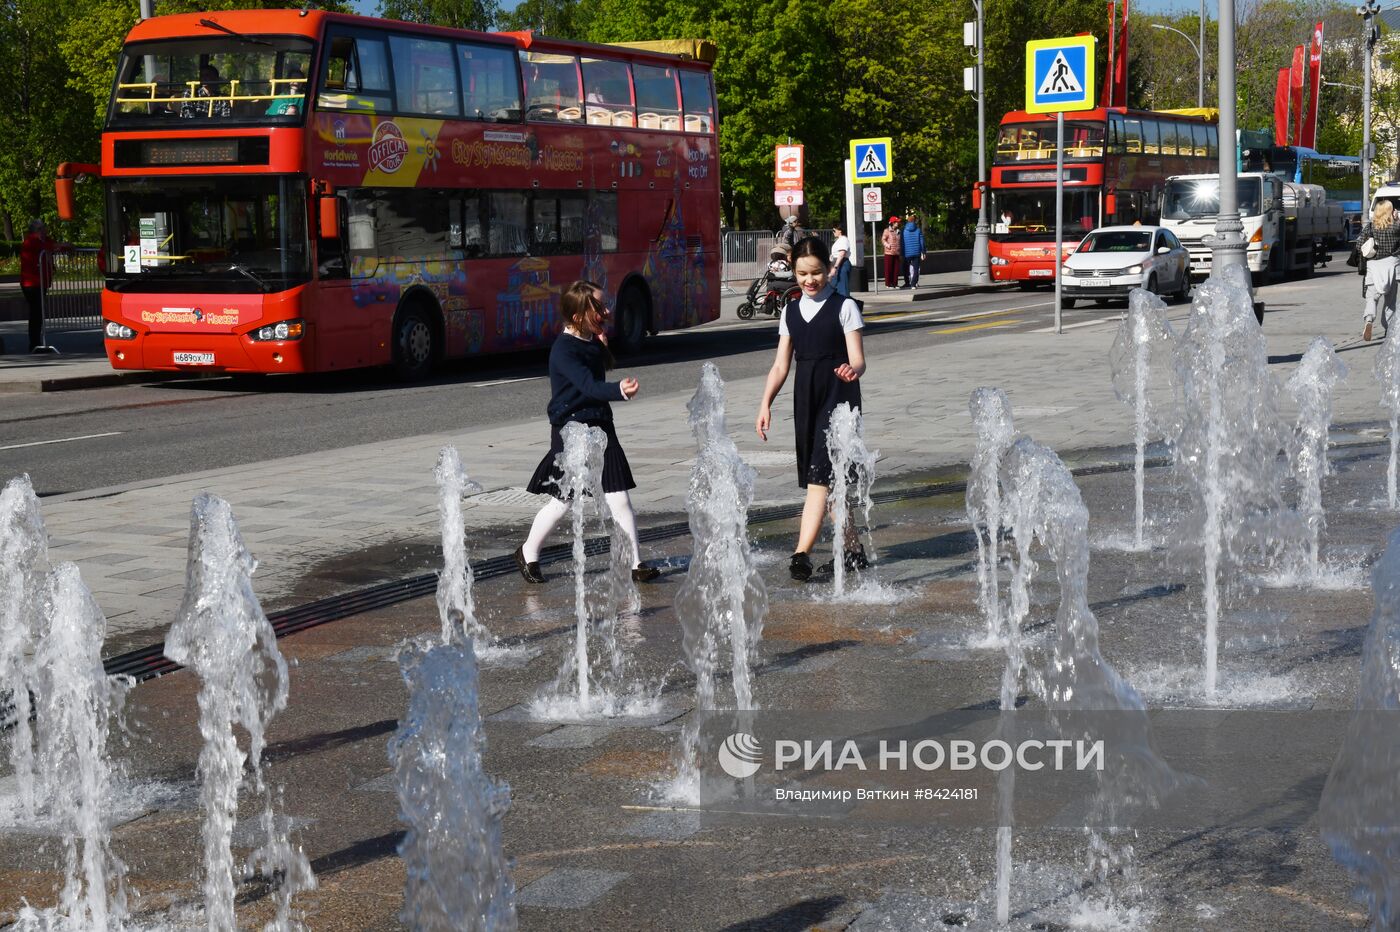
1115 162
293 191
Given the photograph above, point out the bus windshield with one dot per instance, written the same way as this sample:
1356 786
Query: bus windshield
224 81
1029 213
1192 198
1022 142
222 234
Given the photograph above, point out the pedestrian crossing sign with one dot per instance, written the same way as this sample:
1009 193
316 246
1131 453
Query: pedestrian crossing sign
1060 75
871 161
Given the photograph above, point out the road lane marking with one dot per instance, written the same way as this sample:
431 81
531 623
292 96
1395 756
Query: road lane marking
40 443
528 378
987 326
1083 323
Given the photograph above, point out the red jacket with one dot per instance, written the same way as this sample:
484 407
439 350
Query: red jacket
30 252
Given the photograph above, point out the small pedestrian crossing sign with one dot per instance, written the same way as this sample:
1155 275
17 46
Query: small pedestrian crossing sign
1060 75
871 161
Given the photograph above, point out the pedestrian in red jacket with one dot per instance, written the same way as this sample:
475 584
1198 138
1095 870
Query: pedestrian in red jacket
36 275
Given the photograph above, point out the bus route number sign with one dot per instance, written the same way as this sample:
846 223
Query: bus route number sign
1060 75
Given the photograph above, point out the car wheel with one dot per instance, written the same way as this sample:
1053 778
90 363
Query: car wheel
1152 283
415 344
1103 302
1183 294
1067 303
631 329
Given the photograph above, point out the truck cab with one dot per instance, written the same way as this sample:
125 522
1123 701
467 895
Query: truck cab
1190 204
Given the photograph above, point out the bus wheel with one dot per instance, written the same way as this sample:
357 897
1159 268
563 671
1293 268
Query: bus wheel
415 348
631 327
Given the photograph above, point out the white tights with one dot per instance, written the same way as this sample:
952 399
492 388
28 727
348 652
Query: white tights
619 506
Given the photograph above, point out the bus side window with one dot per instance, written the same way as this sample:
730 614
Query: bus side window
490 82
1151 140
466 232
507 222
330 251
1213 142
602 219
356 76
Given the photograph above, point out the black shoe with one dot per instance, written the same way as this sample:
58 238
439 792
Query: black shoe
856 559
643 573
531 571
801 567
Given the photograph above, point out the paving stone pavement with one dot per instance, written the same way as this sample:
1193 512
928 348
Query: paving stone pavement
302 511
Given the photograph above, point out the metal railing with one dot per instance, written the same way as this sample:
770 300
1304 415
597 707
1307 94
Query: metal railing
74 299
745 255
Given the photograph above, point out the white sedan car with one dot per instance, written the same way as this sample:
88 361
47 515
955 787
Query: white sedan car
1112 261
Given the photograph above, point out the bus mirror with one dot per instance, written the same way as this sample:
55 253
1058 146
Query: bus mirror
977 196
1110 206
330 218
67 205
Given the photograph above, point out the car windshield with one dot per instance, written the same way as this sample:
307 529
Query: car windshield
1191 198
223 81
230 234
1116 241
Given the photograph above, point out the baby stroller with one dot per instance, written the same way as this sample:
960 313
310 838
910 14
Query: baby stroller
772 290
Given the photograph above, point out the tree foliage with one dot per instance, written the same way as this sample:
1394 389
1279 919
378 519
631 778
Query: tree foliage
459 14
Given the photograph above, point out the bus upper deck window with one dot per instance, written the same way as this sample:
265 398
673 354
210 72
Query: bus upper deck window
551 87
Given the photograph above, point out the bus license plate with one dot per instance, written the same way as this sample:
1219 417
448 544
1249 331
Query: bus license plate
194 359
1095 283
1042 273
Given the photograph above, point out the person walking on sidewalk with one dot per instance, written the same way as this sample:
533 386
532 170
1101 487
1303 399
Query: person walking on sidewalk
893 245
821 329
578 361
913 238
841 261
1384 234
35 276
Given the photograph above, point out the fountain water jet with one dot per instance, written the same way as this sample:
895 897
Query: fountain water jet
1142 349
1230 436
222 634
1044 504
852 475
991 417
722 600
1311 386
1357 813
76 701
457 873
23 561
1387 369
454 588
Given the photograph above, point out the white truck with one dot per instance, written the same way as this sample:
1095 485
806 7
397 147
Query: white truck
1288 227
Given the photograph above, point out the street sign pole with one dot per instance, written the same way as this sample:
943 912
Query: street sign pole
875 258
1059 213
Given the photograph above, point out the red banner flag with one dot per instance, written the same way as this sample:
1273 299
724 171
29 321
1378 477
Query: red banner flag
1309 136
1281 108
1120 63
1295 96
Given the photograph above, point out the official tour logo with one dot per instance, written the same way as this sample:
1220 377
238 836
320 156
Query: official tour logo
741 755
387 151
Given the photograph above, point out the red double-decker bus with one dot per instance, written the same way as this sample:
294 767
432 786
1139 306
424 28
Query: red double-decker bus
1116 161
296 191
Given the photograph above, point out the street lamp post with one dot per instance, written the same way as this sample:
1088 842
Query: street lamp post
1200 62
1228 246
981 273
1367 11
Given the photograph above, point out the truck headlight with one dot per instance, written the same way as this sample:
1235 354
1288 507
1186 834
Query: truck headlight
1066 271
116 331
280 331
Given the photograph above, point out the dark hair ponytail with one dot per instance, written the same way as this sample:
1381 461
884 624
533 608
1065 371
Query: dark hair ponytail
811 247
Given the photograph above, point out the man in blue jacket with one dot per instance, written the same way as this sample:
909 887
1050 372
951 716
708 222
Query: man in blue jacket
913 249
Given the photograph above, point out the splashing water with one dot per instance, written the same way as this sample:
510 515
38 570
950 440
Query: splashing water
454 588
1359 804
1387 369
852 475
1045 504
76 701
991 417
222 634
1311 386
722 601
1142 349
458 876
1230 436
23 558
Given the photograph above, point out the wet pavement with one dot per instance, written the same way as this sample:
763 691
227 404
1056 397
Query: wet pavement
595 843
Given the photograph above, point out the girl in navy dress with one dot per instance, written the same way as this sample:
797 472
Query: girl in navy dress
821 330
578 361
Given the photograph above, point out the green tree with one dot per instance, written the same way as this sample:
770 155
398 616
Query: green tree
562 19
459 14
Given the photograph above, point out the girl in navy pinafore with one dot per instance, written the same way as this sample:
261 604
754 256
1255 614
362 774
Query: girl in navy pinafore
822 332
